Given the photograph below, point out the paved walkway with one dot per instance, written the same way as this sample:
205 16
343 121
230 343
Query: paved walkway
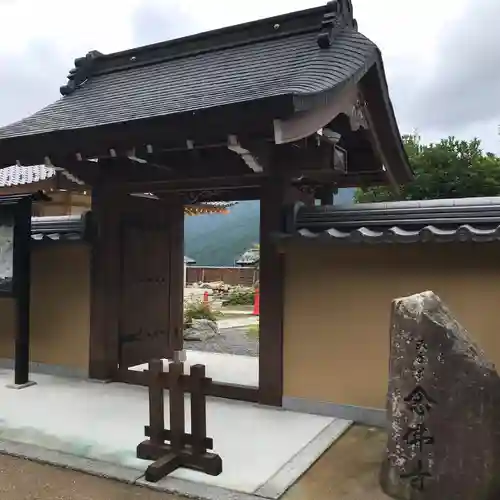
238 322
347 471
96 427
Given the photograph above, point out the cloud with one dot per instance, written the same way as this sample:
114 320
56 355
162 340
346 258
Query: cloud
30 80
440 57
463 86
158 21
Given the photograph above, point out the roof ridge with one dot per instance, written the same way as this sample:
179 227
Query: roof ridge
328 20
338 15
436 203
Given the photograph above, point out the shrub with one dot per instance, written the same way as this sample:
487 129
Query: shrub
240 297
198 310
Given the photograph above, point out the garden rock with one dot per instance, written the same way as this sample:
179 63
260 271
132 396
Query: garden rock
201 330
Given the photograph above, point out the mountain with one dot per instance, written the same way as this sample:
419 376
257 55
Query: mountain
219 239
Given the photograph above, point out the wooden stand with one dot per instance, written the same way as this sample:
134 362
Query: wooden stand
183 449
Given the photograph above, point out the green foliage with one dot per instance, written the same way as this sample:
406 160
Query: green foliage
240 297
198 310
220 239
448 169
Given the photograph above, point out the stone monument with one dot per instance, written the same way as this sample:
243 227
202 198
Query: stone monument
443 408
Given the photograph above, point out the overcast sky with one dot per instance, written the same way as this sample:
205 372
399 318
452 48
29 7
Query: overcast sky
441 56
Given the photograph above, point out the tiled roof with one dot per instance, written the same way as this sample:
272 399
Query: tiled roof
271 58
439 221
249 257
208 207
17 176
59 228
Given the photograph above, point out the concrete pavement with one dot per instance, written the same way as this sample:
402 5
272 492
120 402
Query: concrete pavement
238 322
347 471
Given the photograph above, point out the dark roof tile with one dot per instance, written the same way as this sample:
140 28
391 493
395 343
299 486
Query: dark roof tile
59 228
438 221
292 66
396 234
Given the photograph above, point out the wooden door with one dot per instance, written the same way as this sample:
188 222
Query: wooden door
151 281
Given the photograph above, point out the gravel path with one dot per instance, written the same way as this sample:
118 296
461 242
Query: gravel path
229 341
24 480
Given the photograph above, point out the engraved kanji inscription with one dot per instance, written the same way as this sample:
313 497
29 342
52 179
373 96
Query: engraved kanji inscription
417 476
419 401
418 435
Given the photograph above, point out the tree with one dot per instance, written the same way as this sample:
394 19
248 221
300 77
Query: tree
448 169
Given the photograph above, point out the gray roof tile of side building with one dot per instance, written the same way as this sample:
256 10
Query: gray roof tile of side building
59 228
440 221
18 176
272 58
249 258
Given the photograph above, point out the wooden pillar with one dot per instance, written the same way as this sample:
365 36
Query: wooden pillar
22 289
271 286
325 195
176 275
104 296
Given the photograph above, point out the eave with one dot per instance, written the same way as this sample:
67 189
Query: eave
275 71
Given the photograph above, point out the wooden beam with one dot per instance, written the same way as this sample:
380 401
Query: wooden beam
187 184
34 187
87 171
216 389
254 156
220 168
210 125
380 150
384 127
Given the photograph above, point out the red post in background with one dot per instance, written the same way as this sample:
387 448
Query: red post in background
256 303
205 298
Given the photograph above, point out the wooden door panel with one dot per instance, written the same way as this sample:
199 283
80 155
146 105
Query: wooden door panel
148 295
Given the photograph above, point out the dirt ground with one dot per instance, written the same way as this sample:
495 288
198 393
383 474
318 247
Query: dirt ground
347 471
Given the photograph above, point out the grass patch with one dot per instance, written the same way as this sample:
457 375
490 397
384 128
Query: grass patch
253 331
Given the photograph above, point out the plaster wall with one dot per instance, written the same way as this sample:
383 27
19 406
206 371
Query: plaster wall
60 308
337 308
64 203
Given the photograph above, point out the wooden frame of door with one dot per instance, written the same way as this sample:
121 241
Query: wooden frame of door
105 279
